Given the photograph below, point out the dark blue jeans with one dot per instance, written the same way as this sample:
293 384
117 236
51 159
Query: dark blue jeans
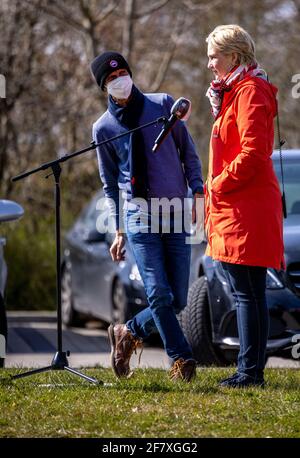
248 285
163 260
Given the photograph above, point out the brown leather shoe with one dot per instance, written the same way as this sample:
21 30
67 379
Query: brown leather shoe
183 369
123 344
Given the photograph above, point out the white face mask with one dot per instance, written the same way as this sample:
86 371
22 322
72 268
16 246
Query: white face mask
120 88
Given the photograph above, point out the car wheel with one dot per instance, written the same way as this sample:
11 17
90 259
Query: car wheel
196 326
70 317
120 312
3 325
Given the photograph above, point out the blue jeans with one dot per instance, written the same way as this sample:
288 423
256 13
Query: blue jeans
248 285
163 260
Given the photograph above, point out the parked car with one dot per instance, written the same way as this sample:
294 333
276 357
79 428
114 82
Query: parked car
209 320
9 211
93 286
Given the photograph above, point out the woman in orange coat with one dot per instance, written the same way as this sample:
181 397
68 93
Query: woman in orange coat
243 200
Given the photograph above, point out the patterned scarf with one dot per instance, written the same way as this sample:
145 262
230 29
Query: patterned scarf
216 90
129 117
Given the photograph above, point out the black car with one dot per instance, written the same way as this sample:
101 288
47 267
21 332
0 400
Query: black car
209 320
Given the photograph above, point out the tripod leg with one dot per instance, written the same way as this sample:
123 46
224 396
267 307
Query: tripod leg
35 371
89 379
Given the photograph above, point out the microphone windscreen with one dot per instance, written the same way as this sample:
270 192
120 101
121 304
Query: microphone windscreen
182 108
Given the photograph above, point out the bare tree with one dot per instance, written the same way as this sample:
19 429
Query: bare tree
46 47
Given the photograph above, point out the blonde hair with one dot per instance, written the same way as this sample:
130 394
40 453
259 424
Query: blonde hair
233 38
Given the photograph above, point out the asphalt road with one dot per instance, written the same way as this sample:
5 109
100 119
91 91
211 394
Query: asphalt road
32 342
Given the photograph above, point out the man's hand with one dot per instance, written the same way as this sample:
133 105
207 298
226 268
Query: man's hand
197 207
117 251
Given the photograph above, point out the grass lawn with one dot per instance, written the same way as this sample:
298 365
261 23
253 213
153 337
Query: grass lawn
56 404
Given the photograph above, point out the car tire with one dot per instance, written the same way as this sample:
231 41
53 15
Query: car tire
196 325
70 317
120 309
3 325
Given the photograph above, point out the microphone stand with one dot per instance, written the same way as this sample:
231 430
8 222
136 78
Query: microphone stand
60 359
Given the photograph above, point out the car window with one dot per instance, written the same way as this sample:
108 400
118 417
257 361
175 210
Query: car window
96 217
91 218
88 217
80 222
291 169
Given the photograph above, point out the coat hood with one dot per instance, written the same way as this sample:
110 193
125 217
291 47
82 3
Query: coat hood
264 85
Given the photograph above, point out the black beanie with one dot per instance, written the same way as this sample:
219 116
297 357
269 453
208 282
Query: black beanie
106 63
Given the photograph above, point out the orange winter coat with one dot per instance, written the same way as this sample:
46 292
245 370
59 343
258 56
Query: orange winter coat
243 200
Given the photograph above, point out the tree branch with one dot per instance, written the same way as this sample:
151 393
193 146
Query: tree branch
157 6
102 15
201 6
59 13
29 60
168 55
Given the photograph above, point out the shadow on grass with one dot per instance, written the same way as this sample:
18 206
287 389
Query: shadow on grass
144 382
120 385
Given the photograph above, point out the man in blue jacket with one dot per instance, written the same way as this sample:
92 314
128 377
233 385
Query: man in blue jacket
128 165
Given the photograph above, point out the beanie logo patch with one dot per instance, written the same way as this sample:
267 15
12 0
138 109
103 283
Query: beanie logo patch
113 63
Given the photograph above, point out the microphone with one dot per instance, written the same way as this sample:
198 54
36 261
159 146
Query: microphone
181 109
